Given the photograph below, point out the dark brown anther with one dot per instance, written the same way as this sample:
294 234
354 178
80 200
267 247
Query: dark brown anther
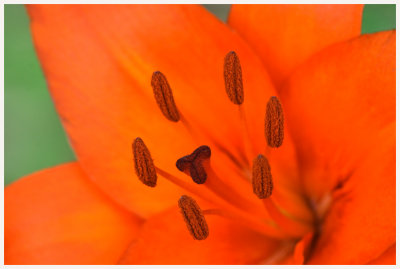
193 164
274 123
194 218
163 94
144 166
262 178
233 78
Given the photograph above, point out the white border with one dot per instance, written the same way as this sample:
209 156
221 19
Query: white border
191 2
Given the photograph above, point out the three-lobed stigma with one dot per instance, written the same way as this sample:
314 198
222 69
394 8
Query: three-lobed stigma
196 165
193 164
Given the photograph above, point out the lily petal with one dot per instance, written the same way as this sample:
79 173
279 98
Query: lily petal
165 239
57 216
286 35
388 257
338 102
98 61
364 208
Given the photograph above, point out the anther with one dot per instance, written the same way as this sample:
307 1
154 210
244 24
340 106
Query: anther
274 123
233 78
144 166
163 94
193 164
194 218
262 178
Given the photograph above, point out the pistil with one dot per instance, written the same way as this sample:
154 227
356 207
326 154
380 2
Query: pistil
231 201
197 166
225 208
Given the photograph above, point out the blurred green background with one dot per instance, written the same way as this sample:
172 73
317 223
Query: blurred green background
34 138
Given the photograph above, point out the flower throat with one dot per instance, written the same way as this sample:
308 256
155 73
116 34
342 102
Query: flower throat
227 201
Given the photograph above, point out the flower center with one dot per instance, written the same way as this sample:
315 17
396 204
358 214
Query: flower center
231 199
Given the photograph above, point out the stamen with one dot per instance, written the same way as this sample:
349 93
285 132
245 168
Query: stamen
274 123
234 89
194 218
262 187
266 227
165 101
163 94
247 141
193 164
164 97
233 78
144 166
226 209
197 166
262 178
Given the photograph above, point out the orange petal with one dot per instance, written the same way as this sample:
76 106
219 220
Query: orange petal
165 239
300 249
388 257
286 35
57 216
98 61
338 102
361 223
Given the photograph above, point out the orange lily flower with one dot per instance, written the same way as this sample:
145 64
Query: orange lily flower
308 126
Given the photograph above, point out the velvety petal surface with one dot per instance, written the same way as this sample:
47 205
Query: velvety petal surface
286 35
165 239
338 102
388 257
58 216
361 223
342 117
98 61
